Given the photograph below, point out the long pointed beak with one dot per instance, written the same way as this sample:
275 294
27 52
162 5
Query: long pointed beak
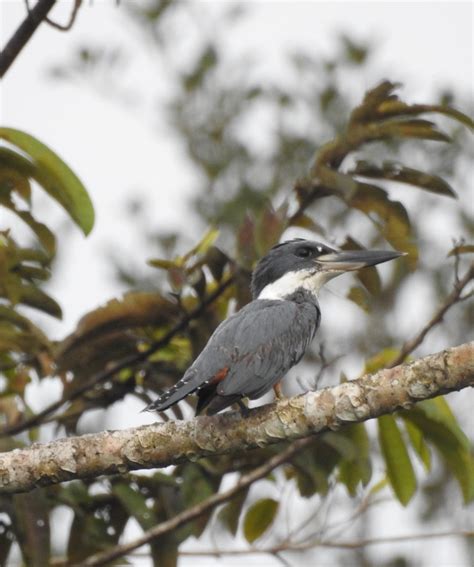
350 260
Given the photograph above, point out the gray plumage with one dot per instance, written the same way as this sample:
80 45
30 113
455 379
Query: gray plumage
251 351
254 348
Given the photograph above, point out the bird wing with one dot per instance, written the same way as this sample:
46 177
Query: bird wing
248 352
253 350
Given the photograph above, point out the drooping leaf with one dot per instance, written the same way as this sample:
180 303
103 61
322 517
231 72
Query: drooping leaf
270 227
34 297
395 107
55 177
438 424
418 443
413 128
45 236
216 261
32 521
397 460
392 171
259 517
391 216
230 513
357 469
368 277
13 180
197 485
359 297
135 504
381 103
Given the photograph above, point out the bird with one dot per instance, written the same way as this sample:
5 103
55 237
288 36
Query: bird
251 351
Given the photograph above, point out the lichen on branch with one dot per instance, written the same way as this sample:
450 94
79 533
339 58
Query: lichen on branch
164 444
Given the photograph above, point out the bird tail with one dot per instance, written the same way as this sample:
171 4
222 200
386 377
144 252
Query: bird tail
187 385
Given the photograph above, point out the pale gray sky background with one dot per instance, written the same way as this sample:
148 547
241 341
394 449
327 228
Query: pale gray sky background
116 148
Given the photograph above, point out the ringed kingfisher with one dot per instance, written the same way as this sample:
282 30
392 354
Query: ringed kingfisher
251 351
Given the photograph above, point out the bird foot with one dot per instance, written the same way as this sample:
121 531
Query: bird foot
244 410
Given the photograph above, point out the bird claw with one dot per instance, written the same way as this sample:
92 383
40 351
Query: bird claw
244 410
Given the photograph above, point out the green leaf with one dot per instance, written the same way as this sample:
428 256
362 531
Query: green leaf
368 277
204 244
359 296
357 469
198 485
135 504
392 217
35 297
396 172
413 128
230 513
55 177
418 443
45 236
438 424
399 468
259 517
13 180
380 360
216 261
162 264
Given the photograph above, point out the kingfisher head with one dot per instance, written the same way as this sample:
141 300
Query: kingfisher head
308 265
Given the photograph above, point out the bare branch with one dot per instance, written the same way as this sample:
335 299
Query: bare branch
453 298
61 27
357 544
164 444
24 33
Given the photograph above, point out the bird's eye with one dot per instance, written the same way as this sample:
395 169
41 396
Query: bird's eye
304 252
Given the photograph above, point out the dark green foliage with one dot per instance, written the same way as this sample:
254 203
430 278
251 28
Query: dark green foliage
259 517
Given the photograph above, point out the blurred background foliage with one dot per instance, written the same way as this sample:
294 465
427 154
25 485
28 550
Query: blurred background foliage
268 160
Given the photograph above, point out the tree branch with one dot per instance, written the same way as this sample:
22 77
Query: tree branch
24 33
164 444
356 544
199 509
453 298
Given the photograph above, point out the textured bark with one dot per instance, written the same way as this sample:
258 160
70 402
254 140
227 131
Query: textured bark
163 444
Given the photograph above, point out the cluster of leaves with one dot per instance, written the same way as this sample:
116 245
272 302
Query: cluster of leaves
24 348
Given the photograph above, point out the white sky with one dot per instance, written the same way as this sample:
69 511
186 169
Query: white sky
115 151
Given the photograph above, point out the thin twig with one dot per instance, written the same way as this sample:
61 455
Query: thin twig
61 27
357 544
125 362
199 509
453 298
24 33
